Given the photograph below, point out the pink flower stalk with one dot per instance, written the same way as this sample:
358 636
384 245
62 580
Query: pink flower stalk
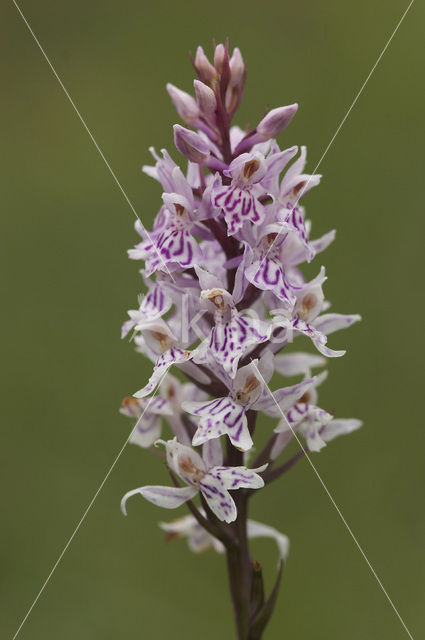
225 297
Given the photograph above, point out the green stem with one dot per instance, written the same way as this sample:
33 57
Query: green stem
239 566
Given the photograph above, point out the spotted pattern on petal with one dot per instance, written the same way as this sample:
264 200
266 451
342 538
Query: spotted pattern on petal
228 341
295 219
239 206
239 477
310 420
269 275
164 362
302 411
223 416
155 303
146 430
219 499
318 338
217 483
178 245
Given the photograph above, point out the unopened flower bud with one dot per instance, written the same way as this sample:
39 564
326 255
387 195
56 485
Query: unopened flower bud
205 97
184 103
275 121
191 145
204 67
219 55
237 67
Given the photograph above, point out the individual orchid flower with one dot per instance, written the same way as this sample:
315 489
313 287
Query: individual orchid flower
201 474
176 393
272 403
163 169
175 245
305 419
200 540
151 411
310 298
296 184
317 331
148 412
145 249
296 326
170 357
240 200
316 425
160 341
152 306
267 271
228 415
289 213
232 334
306 319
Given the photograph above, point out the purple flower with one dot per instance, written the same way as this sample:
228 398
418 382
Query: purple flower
232 334
228 415
316 425
239 200
148 412
201 474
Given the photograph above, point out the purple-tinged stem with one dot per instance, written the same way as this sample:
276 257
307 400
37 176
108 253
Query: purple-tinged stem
278 471
239 566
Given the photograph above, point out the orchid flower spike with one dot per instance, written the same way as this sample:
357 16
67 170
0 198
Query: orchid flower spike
226 294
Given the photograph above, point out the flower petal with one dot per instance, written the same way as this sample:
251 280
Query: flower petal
239 477
339 427
323 242
218 417
239 203
146 430
186 462
178 245
293 364
218 498
282 399
228 341
164 362
317 337
281 442
330 322
259 530
212 453
166 497
268 274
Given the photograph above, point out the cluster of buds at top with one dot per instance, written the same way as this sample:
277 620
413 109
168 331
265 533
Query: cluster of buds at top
225 297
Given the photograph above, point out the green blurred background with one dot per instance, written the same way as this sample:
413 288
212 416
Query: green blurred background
67 283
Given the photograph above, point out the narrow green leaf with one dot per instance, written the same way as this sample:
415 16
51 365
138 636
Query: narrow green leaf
262 618
257 589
